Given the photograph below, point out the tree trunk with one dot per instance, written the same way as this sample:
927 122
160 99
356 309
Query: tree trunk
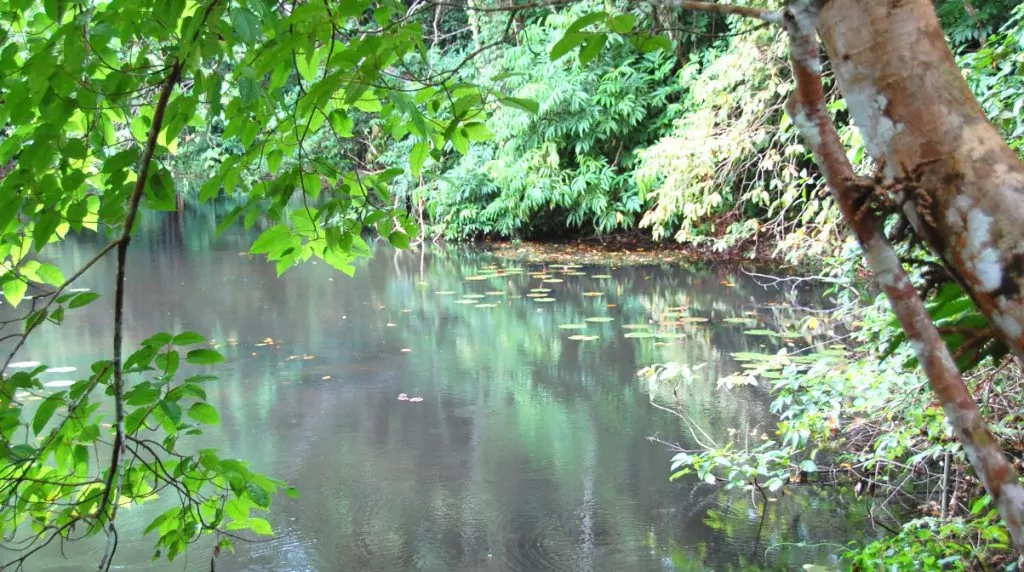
965 186
958 182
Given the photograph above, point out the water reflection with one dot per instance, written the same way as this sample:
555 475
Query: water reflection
529 450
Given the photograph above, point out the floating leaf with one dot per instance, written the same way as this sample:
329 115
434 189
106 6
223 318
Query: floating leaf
635 326
760 333
540 289
65 369
593 294
600 319
554 280
476 278
486 305
445 293
692 319
24 364
473 296
582 338
573 326
639 335
464 301
737 320
543 299
536 295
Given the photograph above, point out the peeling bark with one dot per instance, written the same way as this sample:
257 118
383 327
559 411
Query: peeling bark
957 204
916 112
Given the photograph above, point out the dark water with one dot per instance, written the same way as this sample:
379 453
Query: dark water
529 451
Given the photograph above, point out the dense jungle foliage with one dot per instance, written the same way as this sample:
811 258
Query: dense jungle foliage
579 120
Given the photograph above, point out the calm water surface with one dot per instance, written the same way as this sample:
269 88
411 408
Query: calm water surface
529 451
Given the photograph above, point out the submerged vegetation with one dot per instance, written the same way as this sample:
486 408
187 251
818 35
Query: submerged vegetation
324 124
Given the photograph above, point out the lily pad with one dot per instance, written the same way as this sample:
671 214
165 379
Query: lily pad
573 326
464 301
543 299
635 326
477 277
767 333
536 295
24 364
445 293
473 296
737 320
540 289
639 335
600 319
65 369
693 319
554 280
593 294
582 337
486 305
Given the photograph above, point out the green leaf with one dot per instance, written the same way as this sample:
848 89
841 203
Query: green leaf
260 526
592 47
520 103
646 43
246 24
568 43
204 357
187 339
622 24
341 123
587 20
82 298
204 413
14 290
45 412
399 240
50 274
417 157
477 132
808 466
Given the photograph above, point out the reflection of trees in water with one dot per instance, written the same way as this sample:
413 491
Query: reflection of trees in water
525 439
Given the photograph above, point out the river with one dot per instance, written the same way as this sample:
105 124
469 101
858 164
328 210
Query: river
528 451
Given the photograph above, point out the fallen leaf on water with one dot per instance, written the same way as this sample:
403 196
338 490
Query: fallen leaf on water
67 369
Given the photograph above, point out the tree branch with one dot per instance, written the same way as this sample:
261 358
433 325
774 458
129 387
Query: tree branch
112 490
807 108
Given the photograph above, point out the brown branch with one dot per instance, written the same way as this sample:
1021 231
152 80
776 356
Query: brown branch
807 108
122 261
